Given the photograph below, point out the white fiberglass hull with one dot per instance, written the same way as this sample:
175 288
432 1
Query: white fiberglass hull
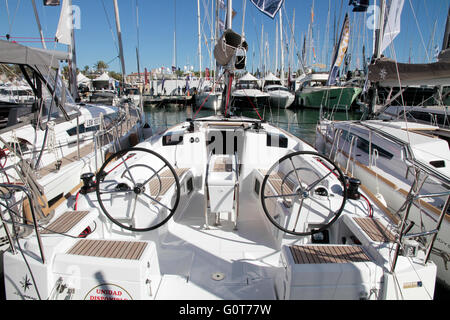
393 192
221 241
209 101
281 100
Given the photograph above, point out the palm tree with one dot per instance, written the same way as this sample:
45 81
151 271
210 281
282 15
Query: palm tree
85 70
101 66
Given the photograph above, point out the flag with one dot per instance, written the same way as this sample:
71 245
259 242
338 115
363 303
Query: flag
359 5
393 23
52 2
146 76
207 73
268 7
65 25
339 55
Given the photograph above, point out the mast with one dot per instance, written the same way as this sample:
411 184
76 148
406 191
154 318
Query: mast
73 62
39 24
379 32
229 15
276 49
175 42
282 47
243 19
138 46
119 36
261 49
199 38
216 35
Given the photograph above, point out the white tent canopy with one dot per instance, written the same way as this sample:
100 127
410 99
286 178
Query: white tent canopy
248 77
271 77
82 79
103 77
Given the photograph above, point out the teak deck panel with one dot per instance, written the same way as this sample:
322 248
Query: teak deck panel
323 254
167 181
125 250
65 222
375 230
276 181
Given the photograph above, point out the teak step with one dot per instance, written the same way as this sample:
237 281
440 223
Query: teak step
124 250
322 254
167 181
276 181
65 222
375 230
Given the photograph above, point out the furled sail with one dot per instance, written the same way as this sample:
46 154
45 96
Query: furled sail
65 25
339 55
269 7
393 23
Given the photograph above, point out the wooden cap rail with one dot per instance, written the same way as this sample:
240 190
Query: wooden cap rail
322 254
124 250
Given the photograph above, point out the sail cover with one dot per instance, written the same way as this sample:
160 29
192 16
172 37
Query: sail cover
339 55
269 7
390 73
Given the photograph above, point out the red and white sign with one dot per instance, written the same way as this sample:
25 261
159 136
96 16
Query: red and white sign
108 292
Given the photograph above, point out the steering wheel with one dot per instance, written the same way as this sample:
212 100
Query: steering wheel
310 180
129 175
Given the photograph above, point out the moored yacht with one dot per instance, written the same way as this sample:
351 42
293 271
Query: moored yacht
405 164
280 96
247 93
209 97
49 144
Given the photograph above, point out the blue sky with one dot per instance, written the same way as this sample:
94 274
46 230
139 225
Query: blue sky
96 39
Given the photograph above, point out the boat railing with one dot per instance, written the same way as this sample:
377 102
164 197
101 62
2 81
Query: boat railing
236 190
6 194
403 234
111 135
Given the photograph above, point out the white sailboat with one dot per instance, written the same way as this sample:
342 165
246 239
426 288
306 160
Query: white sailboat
405 163
51 143
391 158
210 93
218 208
280 96
247 93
